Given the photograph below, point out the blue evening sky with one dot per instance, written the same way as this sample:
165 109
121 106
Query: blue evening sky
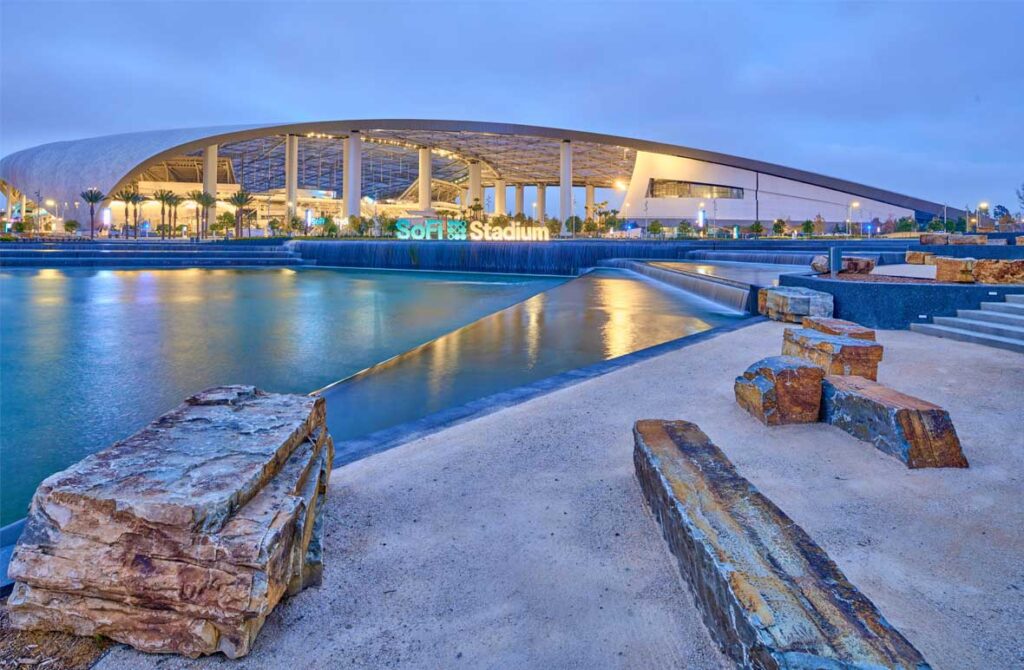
924 99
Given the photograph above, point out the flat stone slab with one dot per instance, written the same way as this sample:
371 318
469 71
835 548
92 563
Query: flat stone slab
792 303
998 271
933 239
915 431
780 390
968 239
770 596
954 270
838 327
835 354
134 559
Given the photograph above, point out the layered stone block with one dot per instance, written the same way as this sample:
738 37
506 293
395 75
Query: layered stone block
769 595
838 327
918 257
780 390
915 431
968 239
1019 240
792 303
185 536
861 265
933 239
835 354
998 271
954 270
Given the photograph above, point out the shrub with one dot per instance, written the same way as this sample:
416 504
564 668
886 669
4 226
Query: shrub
779 227
554 227
756 228
685 229
807 227
655 227
905 225
70 226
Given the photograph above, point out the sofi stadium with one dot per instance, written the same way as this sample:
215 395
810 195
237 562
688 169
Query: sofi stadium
417 168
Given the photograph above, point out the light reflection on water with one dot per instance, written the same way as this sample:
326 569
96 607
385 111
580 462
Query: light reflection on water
88 357
599 316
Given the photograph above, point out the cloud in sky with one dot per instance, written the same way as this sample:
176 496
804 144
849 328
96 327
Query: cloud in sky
925 99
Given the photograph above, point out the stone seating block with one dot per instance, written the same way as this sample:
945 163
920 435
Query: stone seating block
762 301
1019 240
932 239
968 239
792 303
769 595
918 257
998 271
183 537
954 270
820 264
780 390
838 327
860 265
913 430
835 354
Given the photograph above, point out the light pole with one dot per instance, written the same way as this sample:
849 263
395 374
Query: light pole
849 217
982 206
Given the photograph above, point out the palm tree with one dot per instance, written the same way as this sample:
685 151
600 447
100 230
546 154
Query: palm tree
173 200
204 201
196 197
137 199
93 196
241 200
125 195
162 196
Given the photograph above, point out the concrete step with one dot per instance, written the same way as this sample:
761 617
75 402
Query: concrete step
997 341
135 262
994 317
988 327
1015 297
1006 307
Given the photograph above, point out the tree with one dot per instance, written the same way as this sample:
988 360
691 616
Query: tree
654 227
1020 195
93 197
224 222
162 196
999 211
590 227
905 225
137 199
778 227
196 197
173 202
685 228
125 195
554 227
330 228
574 224
936 225
807 227
756 228
274 225
70 226
241 200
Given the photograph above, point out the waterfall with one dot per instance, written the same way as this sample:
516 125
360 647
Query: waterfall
738 296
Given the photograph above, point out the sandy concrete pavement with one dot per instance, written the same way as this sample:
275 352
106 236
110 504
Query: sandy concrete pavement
520 539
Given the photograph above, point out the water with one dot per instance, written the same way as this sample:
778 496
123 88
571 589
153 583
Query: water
599 316
88 357
755 274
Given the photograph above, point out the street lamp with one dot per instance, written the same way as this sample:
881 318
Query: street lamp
849 216
982 207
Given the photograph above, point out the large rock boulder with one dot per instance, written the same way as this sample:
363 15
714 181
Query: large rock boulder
998 271
780 390
769 595
860 265
820 264
913 430
933 239
793 303
968 239
183 537
835 354
950 270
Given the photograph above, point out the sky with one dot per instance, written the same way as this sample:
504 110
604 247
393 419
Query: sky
919 98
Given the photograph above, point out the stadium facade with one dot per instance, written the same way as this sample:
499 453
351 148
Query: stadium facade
415 168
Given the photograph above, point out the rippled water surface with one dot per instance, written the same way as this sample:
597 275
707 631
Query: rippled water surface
88 357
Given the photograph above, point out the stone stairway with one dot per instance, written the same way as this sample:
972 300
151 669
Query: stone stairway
996 324
147 255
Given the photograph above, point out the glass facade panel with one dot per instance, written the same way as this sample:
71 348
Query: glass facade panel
670 188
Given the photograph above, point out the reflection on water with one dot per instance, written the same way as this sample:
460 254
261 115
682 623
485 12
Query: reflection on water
88 357
599 316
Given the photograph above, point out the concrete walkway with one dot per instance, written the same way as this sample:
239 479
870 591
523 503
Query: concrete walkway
521 540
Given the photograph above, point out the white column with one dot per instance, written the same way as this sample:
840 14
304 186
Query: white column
210 177
291 177
520 199
476 187
24 206
425 176
589 188
541 212
565 184
353 176
464 197
8 206
499 197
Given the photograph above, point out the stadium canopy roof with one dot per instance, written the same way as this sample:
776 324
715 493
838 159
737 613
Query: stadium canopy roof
513 153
